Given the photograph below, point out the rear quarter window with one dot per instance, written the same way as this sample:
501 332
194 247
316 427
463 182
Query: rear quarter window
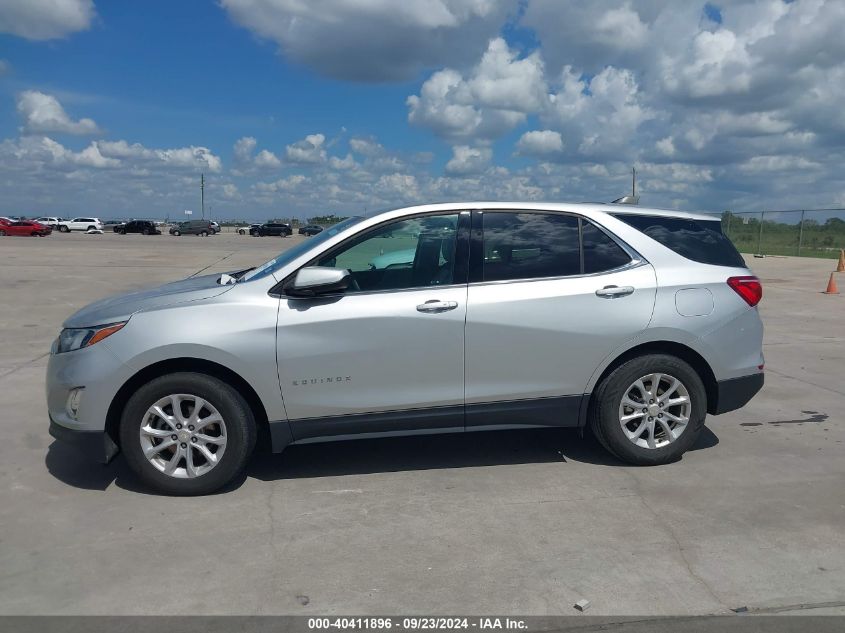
699 240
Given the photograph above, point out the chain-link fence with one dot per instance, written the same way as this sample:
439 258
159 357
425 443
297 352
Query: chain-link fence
804 233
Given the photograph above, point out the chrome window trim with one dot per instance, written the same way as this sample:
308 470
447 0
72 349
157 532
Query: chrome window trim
630 265
637 260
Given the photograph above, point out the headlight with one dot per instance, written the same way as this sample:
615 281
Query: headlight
72 339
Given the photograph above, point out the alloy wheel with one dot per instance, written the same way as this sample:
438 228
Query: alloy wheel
183 436
655 410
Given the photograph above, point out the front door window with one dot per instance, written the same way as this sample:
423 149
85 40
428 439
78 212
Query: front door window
413 253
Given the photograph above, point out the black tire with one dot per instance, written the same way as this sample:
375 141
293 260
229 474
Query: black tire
2 233
145 232
604 409
121 232
241 232
64 229
203 233
240 432
177 233
91 228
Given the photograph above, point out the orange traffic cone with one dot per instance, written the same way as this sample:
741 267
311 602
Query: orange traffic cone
840 267
831 286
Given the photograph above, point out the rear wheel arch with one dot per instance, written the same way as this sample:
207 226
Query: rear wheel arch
195 365
671 348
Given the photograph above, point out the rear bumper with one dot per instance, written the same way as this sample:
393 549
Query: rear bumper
735 393
95 445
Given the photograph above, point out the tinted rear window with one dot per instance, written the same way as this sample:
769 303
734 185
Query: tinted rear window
529 245
699 240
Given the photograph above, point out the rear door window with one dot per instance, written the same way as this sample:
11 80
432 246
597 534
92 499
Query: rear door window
601 253
699 240
529 245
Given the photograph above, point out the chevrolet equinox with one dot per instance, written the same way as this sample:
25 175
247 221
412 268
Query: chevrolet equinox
440 318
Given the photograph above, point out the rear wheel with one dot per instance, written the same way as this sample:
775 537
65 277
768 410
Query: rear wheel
91 228
203 233
2 233
649 410
146 232
187 433
121 232
177 233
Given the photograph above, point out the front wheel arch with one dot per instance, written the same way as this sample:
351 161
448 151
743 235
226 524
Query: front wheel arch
194 365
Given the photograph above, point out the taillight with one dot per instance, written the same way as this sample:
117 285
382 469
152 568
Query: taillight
749 288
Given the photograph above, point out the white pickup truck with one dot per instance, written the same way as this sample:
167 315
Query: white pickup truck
80 224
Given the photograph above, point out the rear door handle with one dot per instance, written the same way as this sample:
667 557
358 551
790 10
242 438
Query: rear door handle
615 291
437 306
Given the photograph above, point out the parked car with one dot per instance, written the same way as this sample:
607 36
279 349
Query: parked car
49 221
24 227
310 229
145 227
193 227
252 229
80 224
279 229
635 322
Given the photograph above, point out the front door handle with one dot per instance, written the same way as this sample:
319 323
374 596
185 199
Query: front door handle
614 291
437 306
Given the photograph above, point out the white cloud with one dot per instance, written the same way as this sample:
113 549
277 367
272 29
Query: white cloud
366 147
244 148
43 113
342 163
376 40
492 99
541 143
45 19
468 160
666 146
308 150
621 28
182 157
230 191
5 67
267 159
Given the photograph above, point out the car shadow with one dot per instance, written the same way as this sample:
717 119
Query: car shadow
367 456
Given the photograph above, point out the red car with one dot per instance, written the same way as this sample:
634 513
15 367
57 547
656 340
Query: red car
24 227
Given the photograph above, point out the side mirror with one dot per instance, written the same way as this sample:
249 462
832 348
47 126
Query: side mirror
314 281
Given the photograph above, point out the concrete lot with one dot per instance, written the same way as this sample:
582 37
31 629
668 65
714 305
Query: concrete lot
522 522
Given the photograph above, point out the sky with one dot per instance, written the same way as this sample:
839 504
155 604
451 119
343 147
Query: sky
295 108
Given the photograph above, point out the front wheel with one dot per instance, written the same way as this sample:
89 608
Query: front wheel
2 233
187 433
203 233
64 229
649 410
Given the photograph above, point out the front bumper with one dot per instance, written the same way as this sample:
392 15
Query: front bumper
95 445
735 393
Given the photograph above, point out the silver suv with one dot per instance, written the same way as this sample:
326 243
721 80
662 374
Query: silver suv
440 318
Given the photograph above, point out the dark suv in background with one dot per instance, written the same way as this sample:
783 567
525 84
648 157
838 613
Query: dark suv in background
145 227
281 229
193 227
310 229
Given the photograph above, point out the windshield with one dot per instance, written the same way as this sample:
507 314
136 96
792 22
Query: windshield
289 255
